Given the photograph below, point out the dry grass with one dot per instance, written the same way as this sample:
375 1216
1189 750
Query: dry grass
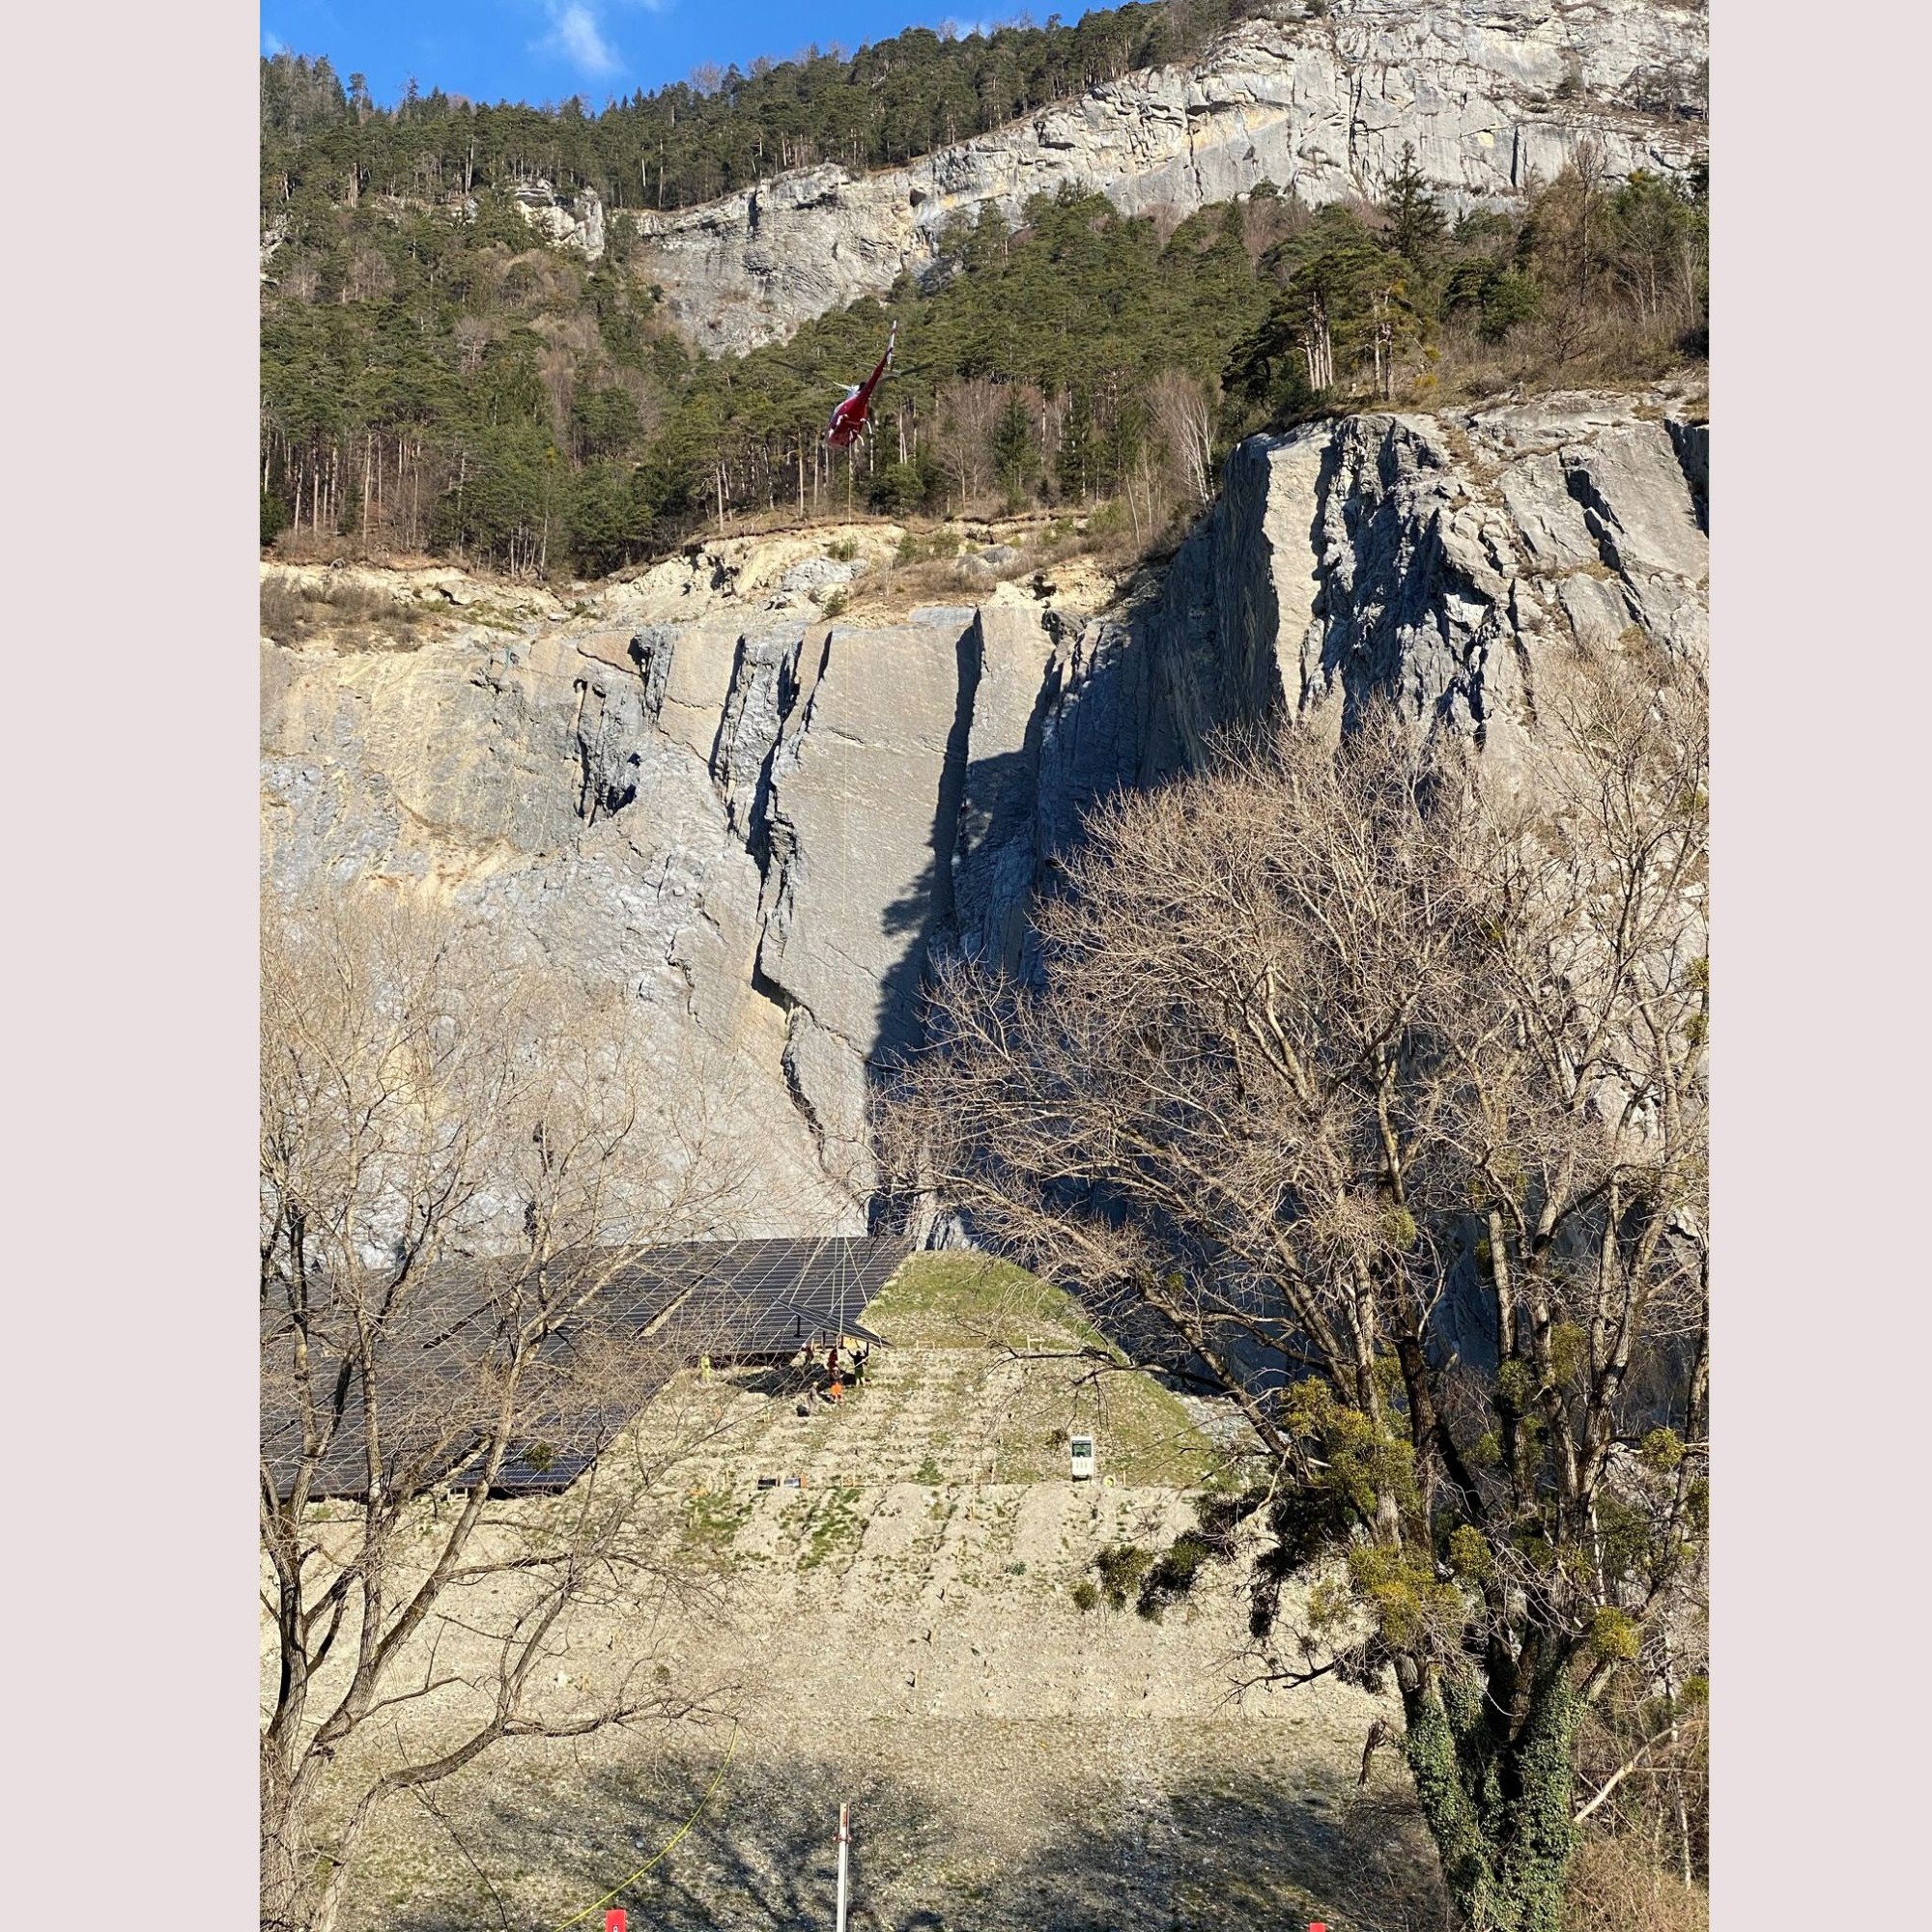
1590 354
349 616
1614 1887
1077 557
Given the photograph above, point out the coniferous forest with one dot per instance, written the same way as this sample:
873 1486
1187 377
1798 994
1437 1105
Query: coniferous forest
721 130
435 379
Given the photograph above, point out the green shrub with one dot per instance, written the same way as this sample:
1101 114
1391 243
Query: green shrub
1121 1566
897 487
1512 298
1172 1576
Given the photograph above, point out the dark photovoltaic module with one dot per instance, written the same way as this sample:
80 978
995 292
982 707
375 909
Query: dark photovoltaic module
615 1309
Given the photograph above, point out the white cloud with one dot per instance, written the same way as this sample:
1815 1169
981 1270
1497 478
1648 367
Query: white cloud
577 35
272 44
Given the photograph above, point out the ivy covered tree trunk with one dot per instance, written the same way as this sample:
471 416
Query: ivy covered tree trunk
1496 1780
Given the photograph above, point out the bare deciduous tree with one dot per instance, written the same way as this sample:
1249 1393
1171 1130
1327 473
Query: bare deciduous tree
966 411
1380 1086
1183 413
448 1148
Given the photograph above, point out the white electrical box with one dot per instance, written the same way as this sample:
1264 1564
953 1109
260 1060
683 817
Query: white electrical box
1080 1453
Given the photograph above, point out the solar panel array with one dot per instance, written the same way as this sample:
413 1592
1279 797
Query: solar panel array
740 1298
624 1314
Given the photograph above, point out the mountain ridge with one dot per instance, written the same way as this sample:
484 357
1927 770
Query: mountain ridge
1489 97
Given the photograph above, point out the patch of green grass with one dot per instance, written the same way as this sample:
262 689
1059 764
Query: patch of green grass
1047 1372
958 1299
1145 1436
491 617
713 1518
832 1524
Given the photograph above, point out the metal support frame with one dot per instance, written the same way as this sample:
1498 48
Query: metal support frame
844 1849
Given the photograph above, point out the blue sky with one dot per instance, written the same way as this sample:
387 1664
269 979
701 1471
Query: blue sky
546 50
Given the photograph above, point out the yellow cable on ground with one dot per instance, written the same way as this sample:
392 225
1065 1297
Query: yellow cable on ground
680 1831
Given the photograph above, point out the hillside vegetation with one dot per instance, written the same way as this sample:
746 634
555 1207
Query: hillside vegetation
443 384
718 130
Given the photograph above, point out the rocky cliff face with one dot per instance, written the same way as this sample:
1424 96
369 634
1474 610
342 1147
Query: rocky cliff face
759 824
1489 93
1436 561
576 223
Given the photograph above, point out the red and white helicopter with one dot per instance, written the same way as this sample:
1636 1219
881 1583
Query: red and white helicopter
849 419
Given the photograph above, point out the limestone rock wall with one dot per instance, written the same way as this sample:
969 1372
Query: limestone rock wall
576 223
759 825
1489 93
1432 560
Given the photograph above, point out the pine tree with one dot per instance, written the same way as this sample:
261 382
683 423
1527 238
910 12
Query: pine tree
1015 451
1074 461
1415 221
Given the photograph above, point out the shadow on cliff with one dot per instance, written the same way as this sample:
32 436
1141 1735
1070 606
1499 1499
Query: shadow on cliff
1123 704
1220 1850
1126 702
923 917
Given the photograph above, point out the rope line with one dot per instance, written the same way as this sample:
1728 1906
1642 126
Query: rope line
666 1850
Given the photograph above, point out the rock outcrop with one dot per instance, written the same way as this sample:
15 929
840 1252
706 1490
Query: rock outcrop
1433 561
1489 93
759 824
576 223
